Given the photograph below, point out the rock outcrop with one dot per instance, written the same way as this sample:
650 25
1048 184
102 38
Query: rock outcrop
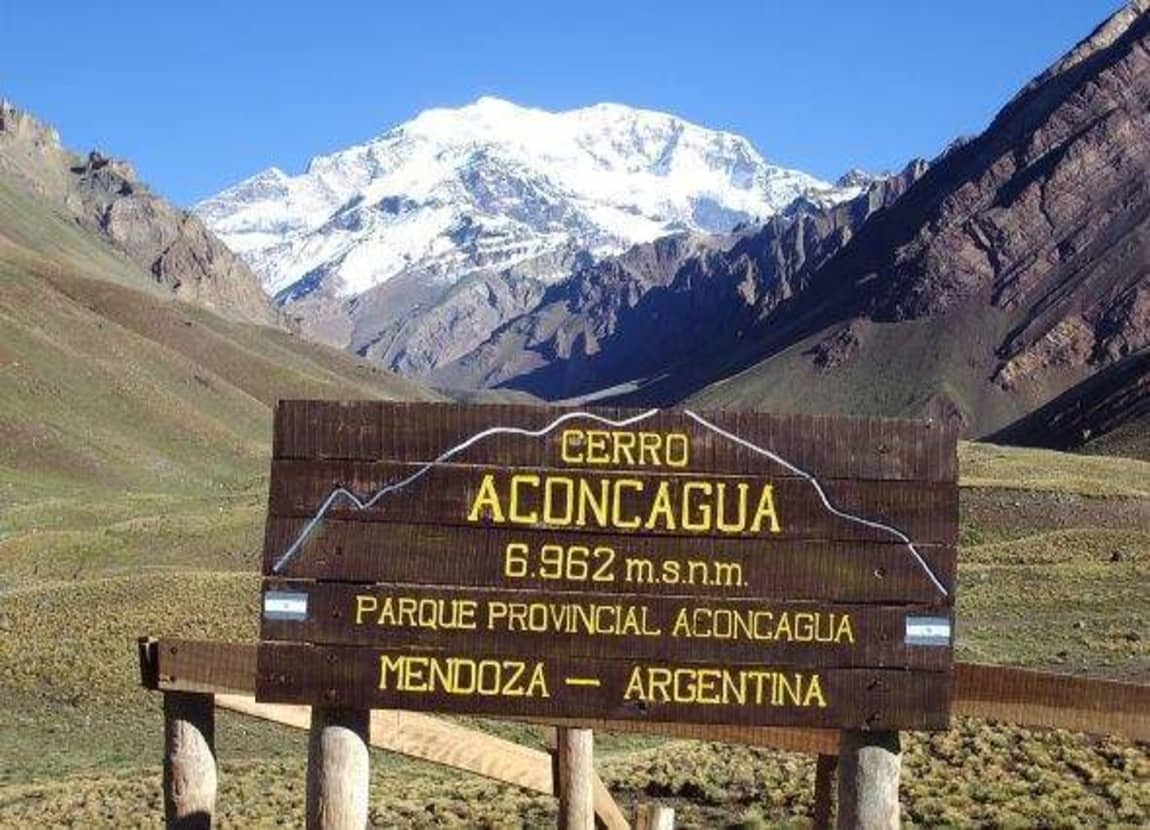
104 195
1109 412
977 288
680 298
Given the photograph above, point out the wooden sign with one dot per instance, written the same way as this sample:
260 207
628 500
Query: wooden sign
736 568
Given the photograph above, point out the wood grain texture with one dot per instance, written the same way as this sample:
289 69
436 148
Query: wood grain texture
463 621
1012 695
926 512
226 668
338 769
1054 701
358 676
354 551
836 446
869 768
190 773
205 666
442 742
575 770
463 502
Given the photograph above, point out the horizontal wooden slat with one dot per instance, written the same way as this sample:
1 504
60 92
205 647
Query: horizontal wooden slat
205 666
669 628
450 555
1005 693
1054 701
587 687
832 446
223 668
446 495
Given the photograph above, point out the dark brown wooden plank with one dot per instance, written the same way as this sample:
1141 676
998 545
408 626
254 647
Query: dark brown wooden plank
229 669
530 623
1004 693
926 512
328 429
836 447
1054 701
584 687
449 555
205 666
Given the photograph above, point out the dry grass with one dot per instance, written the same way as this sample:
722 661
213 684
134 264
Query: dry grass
85 569
1023 468
976 774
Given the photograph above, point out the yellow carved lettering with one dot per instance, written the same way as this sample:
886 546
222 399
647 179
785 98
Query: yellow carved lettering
486 504
766 510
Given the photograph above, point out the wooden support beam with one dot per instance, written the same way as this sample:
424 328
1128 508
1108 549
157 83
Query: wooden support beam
785 738
1053 701
868 778
338 769
190 777
440 741
202 666
824 791
652 816
575 770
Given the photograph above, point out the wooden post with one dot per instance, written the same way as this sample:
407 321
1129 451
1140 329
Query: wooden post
576 773
868 776
338 769
652 816
824 791
190 778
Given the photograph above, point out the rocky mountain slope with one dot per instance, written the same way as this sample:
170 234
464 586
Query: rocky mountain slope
1012 268
628 318
1108 413
1016 267
110 381
104 196
412 248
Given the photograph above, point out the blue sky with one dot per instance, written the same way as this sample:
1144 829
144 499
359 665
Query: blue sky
201 94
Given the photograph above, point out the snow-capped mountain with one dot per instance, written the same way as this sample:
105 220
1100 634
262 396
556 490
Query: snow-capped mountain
369 246
495 184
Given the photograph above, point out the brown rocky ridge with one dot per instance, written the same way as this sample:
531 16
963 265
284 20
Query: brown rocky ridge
978 288
104 195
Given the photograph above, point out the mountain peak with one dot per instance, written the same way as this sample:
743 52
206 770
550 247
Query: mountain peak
857 177
532 186
412 247
494 102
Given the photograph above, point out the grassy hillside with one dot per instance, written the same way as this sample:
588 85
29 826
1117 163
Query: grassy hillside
1040 585
134 437
134 429
119 403
116 405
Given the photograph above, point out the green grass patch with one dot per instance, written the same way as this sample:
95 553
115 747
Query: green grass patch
1024 468
134 436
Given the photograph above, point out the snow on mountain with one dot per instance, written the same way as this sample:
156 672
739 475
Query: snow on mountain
494 186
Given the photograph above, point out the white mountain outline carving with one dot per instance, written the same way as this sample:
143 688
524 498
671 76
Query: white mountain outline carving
365 504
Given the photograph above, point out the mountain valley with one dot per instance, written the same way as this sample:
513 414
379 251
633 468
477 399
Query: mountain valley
610 254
